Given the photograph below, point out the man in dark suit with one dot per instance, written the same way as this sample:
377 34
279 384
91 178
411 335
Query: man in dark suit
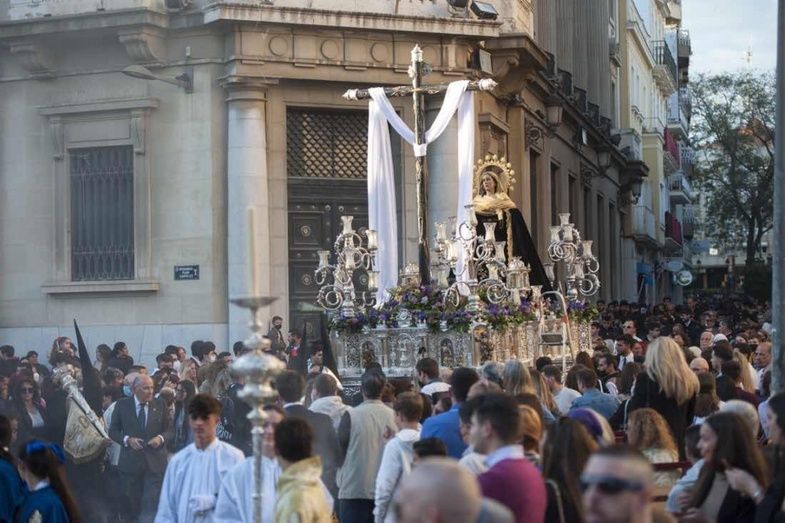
298 359
277 337
141 426
721 354
291 387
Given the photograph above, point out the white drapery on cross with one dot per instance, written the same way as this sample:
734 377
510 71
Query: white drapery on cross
381 183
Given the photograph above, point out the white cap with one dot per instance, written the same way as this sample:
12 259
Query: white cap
436 386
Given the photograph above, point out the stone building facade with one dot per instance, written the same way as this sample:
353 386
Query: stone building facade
128 204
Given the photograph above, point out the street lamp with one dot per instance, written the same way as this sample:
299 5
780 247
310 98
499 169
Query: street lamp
184 80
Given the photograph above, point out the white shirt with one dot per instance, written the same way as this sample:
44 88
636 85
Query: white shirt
396 463
623 360
193 480
564 399
506 452
235 498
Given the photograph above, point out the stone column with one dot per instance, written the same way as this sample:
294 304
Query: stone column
565 29
247 198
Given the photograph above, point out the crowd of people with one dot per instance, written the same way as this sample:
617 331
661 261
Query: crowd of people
669 417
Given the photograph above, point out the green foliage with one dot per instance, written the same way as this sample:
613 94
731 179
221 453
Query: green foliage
732 132
757 281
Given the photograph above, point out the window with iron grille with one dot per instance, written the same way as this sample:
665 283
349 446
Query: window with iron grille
326 144
102 213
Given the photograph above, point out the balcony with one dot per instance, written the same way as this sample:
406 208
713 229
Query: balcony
688 224
685 47
643 225
665 70
678 116
673 237
687 157
680 189
672 154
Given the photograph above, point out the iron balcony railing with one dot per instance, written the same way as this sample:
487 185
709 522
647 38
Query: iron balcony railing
664 57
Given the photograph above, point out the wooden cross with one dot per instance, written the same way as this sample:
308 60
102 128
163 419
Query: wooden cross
417 70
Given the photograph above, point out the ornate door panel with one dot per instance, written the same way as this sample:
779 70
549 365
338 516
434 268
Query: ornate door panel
315 211
326 169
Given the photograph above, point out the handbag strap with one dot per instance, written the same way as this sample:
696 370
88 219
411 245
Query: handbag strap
559 503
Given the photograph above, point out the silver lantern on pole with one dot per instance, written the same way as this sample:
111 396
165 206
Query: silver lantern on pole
258 368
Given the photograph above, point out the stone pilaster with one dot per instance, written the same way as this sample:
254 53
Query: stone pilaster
247 189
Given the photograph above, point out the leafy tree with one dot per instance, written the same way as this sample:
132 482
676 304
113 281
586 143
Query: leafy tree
732 133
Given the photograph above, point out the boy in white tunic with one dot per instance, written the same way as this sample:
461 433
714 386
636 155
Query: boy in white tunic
193 476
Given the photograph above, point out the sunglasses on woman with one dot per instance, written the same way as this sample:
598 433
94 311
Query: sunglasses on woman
610 485
26 389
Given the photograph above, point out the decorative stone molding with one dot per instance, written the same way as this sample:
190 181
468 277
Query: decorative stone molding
534 135
58 137
144 45
587 175
34 57
138 129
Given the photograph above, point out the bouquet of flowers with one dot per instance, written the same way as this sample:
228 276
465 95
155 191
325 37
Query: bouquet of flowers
582 312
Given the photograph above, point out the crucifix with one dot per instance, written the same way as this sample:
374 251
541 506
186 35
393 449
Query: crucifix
417 70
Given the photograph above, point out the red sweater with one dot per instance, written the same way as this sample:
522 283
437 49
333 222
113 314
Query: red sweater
519 486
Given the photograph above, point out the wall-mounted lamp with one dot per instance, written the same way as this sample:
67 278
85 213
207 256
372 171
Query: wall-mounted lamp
484 10
603 159
554 112
631 192
184 80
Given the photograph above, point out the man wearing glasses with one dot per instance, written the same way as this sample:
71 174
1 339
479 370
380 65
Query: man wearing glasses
630 329
617 483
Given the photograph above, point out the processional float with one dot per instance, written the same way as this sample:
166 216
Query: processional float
469 300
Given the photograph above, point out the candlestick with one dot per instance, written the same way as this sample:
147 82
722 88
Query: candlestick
252 251
373 241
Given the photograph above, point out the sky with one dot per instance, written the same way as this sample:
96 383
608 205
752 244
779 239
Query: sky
722 31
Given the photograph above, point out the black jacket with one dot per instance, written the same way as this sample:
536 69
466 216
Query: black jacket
679 417
125 423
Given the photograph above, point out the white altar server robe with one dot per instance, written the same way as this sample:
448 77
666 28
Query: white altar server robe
192 481
235 501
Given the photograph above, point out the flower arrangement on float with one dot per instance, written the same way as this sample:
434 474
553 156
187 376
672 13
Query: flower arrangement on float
425 305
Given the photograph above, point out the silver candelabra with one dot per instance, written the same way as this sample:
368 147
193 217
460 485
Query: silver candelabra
581 265
478 262
337 289
257 368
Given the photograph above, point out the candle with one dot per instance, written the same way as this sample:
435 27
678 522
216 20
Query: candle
564 218
555 233
568 232
347 224
253 266
587 248
489 231
373 242
471 216
500 256
441 231
373 281
549 271
324 258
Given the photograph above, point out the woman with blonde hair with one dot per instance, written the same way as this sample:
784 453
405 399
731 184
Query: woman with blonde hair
544 393
747 382
516 379
668 386
648 432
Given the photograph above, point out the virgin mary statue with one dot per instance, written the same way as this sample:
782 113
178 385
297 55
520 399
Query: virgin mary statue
492 182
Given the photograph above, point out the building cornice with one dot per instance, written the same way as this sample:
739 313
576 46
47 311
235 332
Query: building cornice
83 22
345 20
